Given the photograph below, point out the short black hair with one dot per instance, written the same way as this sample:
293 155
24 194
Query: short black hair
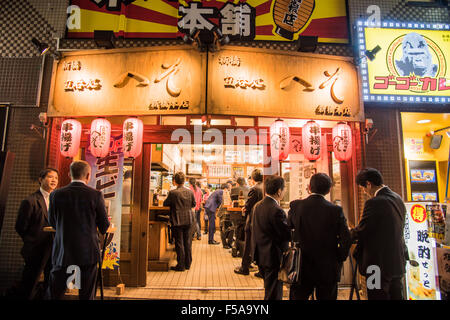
320 183
369 174
257 175
241 181
46 171
224 186
273 184
179 178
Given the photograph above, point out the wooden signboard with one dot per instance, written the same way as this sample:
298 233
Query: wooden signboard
160 80
258 82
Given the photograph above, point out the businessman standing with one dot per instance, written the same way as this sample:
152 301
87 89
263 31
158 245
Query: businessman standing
76 211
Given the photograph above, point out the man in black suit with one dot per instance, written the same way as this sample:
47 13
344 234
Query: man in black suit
270 236
321 229
181 202
254 195
76 211
37 244
379 235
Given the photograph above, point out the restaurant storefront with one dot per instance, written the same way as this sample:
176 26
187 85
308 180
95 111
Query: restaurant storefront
212 115
404 68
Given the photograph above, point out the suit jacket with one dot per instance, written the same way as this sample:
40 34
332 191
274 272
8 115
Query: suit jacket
254 195
214 201
76 211
270 233
380 234
181 201
31 220
322 231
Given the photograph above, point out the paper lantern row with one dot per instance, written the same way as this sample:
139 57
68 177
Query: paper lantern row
100 136
311 141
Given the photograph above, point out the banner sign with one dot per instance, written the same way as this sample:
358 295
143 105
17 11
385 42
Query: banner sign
405 62
421 270
270 20
107 176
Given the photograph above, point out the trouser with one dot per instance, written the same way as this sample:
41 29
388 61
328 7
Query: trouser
246 255
197 227
273 288
33 268
206 223
183 246
226 232
391 289
303 291
212 225
59 277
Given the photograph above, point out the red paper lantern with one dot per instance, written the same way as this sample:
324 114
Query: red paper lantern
342 141
70 138
133 133
311 140
279 140
100 137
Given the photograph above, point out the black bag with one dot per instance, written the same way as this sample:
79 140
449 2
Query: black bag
291 264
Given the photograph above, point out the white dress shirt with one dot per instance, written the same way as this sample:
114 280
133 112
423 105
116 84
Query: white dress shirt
46 196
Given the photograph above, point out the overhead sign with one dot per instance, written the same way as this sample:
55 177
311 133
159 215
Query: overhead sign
273 20
405 62
122 82
258 82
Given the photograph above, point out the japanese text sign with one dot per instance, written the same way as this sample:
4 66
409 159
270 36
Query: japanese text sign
405 62
272 20
258 82
144 81
421 269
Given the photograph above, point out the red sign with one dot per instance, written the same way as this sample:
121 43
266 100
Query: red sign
418 213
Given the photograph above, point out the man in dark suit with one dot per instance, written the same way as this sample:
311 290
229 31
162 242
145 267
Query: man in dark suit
321 229
379 235
37 244
270 236
254 195
76 211
181 202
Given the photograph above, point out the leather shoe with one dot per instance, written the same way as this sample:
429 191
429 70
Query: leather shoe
258 275
177 268
226 247
199 238
213 242
239 270
252 268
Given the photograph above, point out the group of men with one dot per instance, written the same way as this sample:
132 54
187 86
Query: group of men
77 215
321 230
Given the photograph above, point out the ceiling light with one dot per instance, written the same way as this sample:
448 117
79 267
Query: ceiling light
423 121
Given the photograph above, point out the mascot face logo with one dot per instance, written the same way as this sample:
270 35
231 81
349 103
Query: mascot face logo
417 58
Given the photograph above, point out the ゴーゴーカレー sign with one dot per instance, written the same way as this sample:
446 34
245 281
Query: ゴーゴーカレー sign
405 62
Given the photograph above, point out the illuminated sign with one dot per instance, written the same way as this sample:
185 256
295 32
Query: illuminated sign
404 62
247 20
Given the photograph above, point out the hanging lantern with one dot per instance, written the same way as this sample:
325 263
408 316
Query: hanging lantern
100 137
133 132
279 140
342 141
311 135
70 137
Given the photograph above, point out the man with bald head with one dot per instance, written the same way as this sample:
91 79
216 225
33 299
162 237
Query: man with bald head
75 212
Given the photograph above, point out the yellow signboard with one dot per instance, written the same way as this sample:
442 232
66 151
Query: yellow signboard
403 64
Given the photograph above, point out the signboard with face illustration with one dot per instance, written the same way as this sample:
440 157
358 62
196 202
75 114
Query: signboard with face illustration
405 62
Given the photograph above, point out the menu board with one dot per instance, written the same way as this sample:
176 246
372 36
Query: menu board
420 238
423 180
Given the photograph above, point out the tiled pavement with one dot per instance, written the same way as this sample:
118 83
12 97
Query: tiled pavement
210 277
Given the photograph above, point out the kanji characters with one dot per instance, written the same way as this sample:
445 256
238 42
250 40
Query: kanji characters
194 17
236 20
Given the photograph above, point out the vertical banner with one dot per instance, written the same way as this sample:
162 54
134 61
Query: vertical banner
421 279
107 177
